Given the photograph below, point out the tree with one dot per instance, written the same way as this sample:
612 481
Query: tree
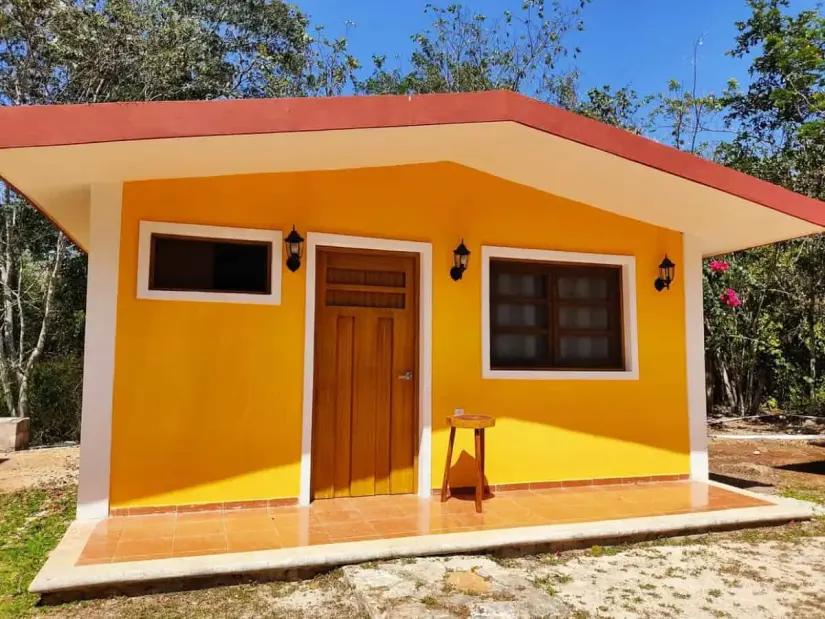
780 137
623 108
465 51
90 51
27 288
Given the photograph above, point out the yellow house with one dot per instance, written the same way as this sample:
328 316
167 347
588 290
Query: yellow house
226 366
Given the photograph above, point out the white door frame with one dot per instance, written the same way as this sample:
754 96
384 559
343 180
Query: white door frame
425 338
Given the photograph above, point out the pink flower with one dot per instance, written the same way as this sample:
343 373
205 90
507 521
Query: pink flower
730 298
719 266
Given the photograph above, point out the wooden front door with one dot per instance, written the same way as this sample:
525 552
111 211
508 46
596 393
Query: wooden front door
364 418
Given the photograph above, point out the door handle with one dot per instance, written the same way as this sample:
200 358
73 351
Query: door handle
405 376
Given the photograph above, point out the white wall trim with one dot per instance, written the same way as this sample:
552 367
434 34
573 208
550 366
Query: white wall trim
425 336
631 334
695 351
99 353
148 228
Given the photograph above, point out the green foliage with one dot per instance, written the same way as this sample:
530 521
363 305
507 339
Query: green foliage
465 51
31 523
91 51
779 137
814 495
623 108
768 351
55 400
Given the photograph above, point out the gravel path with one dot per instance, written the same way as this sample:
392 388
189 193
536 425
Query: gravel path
767 574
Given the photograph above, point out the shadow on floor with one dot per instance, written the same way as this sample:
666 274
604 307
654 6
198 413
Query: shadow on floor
738 482
817 467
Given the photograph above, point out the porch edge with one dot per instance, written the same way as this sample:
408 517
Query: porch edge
61 576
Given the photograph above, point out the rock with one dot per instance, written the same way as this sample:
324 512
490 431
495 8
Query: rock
812 426
14 433
465 586
416 610
512 610
468 582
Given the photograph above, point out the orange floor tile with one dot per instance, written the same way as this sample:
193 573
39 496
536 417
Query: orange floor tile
136 538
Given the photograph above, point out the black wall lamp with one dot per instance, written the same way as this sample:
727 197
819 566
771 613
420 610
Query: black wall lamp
294 247
461 257
667 270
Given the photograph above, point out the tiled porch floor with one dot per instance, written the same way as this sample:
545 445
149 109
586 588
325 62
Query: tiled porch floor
138 538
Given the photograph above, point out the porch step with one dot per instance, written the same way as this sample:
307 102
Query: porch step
61 580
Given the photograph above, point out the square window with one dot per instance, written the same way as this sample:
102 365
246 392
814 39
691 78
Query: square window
555 316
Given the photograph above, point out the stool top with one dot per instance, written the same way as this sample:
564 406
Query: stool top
471 421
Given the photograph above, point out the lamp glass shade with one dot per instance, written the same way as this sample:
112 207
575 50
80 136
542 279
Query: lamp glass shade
294 244
461 256
667 270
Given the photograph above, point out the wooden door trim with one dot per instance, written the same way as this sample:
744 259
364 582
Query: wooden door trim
316 240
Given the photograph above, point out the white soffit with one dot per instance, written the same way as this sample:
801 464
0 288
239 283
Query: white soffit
57 178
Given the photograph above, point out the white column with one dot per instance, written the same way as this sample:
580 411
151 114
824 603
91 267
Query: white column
99 356
695 347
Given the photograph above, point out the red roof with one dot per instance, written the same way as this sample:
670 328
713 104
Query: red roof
42 126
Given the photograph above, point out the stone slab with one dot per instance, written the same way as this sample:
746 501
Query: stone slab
14 433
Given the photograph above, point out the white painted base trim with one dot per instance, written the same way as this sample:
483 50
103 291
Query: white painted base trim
99 354
425 337
695 351
630 327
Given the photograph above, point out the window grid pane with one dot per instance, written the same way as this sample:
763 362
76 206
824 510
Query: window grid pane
189 263
577 315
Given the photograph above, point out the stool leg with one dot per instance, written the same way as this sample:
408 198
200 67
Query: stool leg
447 466
480 472
483 456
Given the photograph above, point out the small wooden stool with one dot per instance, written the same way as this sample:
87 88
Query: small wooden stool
479 423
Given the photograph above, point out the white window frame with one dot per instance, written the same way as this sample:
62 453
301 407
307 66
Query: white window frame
148 228
629 318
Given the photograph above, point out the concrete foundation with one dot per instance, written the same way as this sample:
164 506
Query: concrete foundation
62 579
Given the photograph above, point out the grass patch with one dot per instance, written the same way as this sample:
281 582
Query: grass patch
546 584
606 551
814 495
32 521
430 601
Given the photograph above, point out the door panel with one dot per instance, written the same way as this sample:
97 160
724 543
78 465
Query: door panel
364 418
344 339
383 405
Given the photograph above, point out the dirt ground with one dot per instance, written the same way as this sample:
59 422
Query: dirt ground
702 578
767 424
769 466
38 467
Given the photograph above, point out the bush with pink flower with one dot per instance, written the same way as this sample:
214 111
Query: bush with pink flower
719 267
730 298
718 274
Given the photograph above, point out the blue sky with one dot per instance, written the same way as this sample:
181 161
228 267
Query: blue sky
640 43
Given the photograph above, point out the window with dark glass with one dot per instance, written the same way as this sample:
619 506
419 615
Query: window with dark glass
555 316
210 265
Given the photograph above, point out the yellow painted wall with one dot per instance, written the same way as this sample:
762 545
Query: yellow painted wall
207 403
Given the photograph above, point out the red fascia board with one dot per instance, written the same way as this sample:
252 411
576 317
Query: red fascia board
43 126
